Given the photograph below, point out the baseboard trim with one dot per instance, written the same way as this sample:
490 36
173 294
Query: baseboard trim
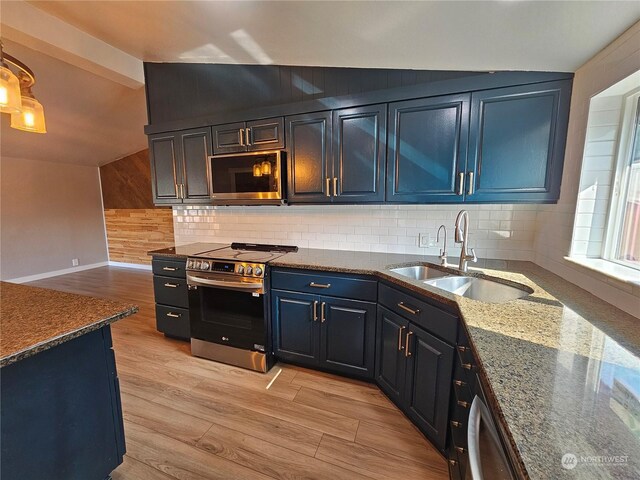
137 266
56 273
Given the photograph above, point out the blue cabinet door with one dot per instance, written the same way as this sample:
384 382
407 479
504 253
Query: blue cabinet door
427 149
296 321
309 157
516 144
428 383
359 137
390 353
347 336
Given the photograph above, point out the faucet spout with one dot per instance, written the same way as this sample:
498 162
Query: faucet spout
462 236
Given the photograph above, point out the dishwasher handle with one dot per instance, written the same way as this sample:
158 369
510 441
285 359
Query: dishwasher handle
478 415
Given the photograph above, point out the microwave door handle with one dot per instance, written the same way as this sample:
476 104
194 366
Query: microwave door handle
207 282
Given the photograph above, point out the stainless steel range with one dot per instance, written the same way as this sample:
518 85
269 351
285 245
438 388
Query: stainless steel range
227 306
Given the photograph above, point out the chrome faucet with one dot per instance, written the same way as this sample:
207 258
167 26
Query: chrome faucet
443 250
463 238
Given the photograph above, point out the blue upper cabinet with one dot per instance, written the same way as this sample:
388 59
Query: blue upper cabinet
359 154
337 157
516 143
427 149
309 157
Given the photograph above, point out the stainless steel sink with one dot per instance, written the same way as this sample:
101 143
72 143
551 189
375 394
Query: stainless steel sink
420 272
478 288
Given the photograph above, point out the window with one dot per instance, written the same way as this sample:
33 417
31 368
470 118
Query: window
623 227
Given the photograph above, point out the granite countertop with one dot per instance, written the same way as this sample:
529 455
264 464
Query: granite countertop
184 251
563 366
35 319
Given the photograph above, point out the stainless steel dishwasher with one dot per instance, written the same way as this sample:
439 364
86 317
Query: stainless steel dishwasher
487 457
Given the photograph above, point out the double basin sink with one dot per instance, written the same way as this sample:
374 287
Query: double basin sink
465 286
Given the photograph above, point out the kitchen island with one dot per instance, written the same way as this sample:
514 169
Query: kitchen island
61 415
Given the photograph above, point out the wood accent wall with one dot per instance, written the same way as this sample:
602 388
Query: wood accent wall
134 226
131 233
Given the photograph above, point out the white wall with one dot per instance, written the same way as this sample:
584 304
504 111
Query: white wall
50 213
555 222
497 231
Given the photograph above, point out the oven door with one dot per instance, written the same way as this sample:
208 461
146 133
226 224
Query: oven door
242 177
227 312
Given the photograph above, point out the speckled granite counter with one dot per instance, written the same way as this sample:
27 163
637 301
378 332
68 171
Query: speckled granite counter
35 319
563 366
183 251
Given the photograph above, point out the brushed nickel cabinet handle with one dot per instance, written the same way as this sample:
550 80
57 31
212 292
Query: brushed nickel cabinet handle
407 350
470 192
400 339
170 269
174 315
172 285
335 186
412 311
315 310
322 313
461 183
241 135
320 285
328 187
247 132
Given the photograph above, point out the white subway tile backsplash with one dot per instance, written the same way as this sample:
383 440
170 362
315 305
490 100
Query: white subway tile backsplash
497 231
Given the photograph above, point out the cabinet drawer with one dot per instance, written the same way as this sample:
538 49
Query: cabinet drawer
171 291
169 268
322 284
430 318
173 321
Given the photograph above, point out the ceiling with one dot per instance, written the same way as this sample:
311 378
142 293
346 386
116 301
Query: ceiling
92 120
444 35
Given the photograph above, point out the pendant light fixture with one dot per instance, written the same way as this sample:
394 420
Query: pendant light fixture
16 97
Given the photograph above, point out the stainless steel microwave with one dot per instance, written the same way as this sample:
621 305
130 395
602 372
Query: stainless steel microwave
251 178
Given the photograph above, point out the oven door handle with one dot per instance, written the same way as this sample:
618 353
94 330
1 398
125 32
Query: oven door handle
207 282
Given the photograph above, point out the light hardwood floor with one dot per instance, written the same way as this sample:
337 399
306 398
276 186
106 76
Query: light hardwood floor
191 418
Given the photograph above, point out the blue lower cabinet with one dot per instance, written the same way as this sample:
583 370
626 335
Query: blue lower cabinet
295 327
61 417
414 369
390 359
428 383
347 336
335 334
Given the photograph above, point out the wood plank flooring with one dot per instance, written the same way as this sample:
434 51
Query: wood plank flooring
190 418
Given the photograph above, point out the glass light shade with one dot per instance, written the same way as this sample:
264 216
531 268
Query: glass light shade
266 167
9 92
257 170
31 119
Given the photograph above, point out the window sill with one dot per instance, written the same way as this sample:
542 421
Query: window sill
610 269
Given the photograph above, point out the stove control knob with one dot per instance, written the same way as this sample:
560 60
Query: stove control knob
257 271
196 264
248 270
204 266
240 269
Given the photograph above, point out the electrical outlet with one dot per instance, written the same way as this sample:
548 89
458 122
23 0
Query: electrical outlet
424 240
74 262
